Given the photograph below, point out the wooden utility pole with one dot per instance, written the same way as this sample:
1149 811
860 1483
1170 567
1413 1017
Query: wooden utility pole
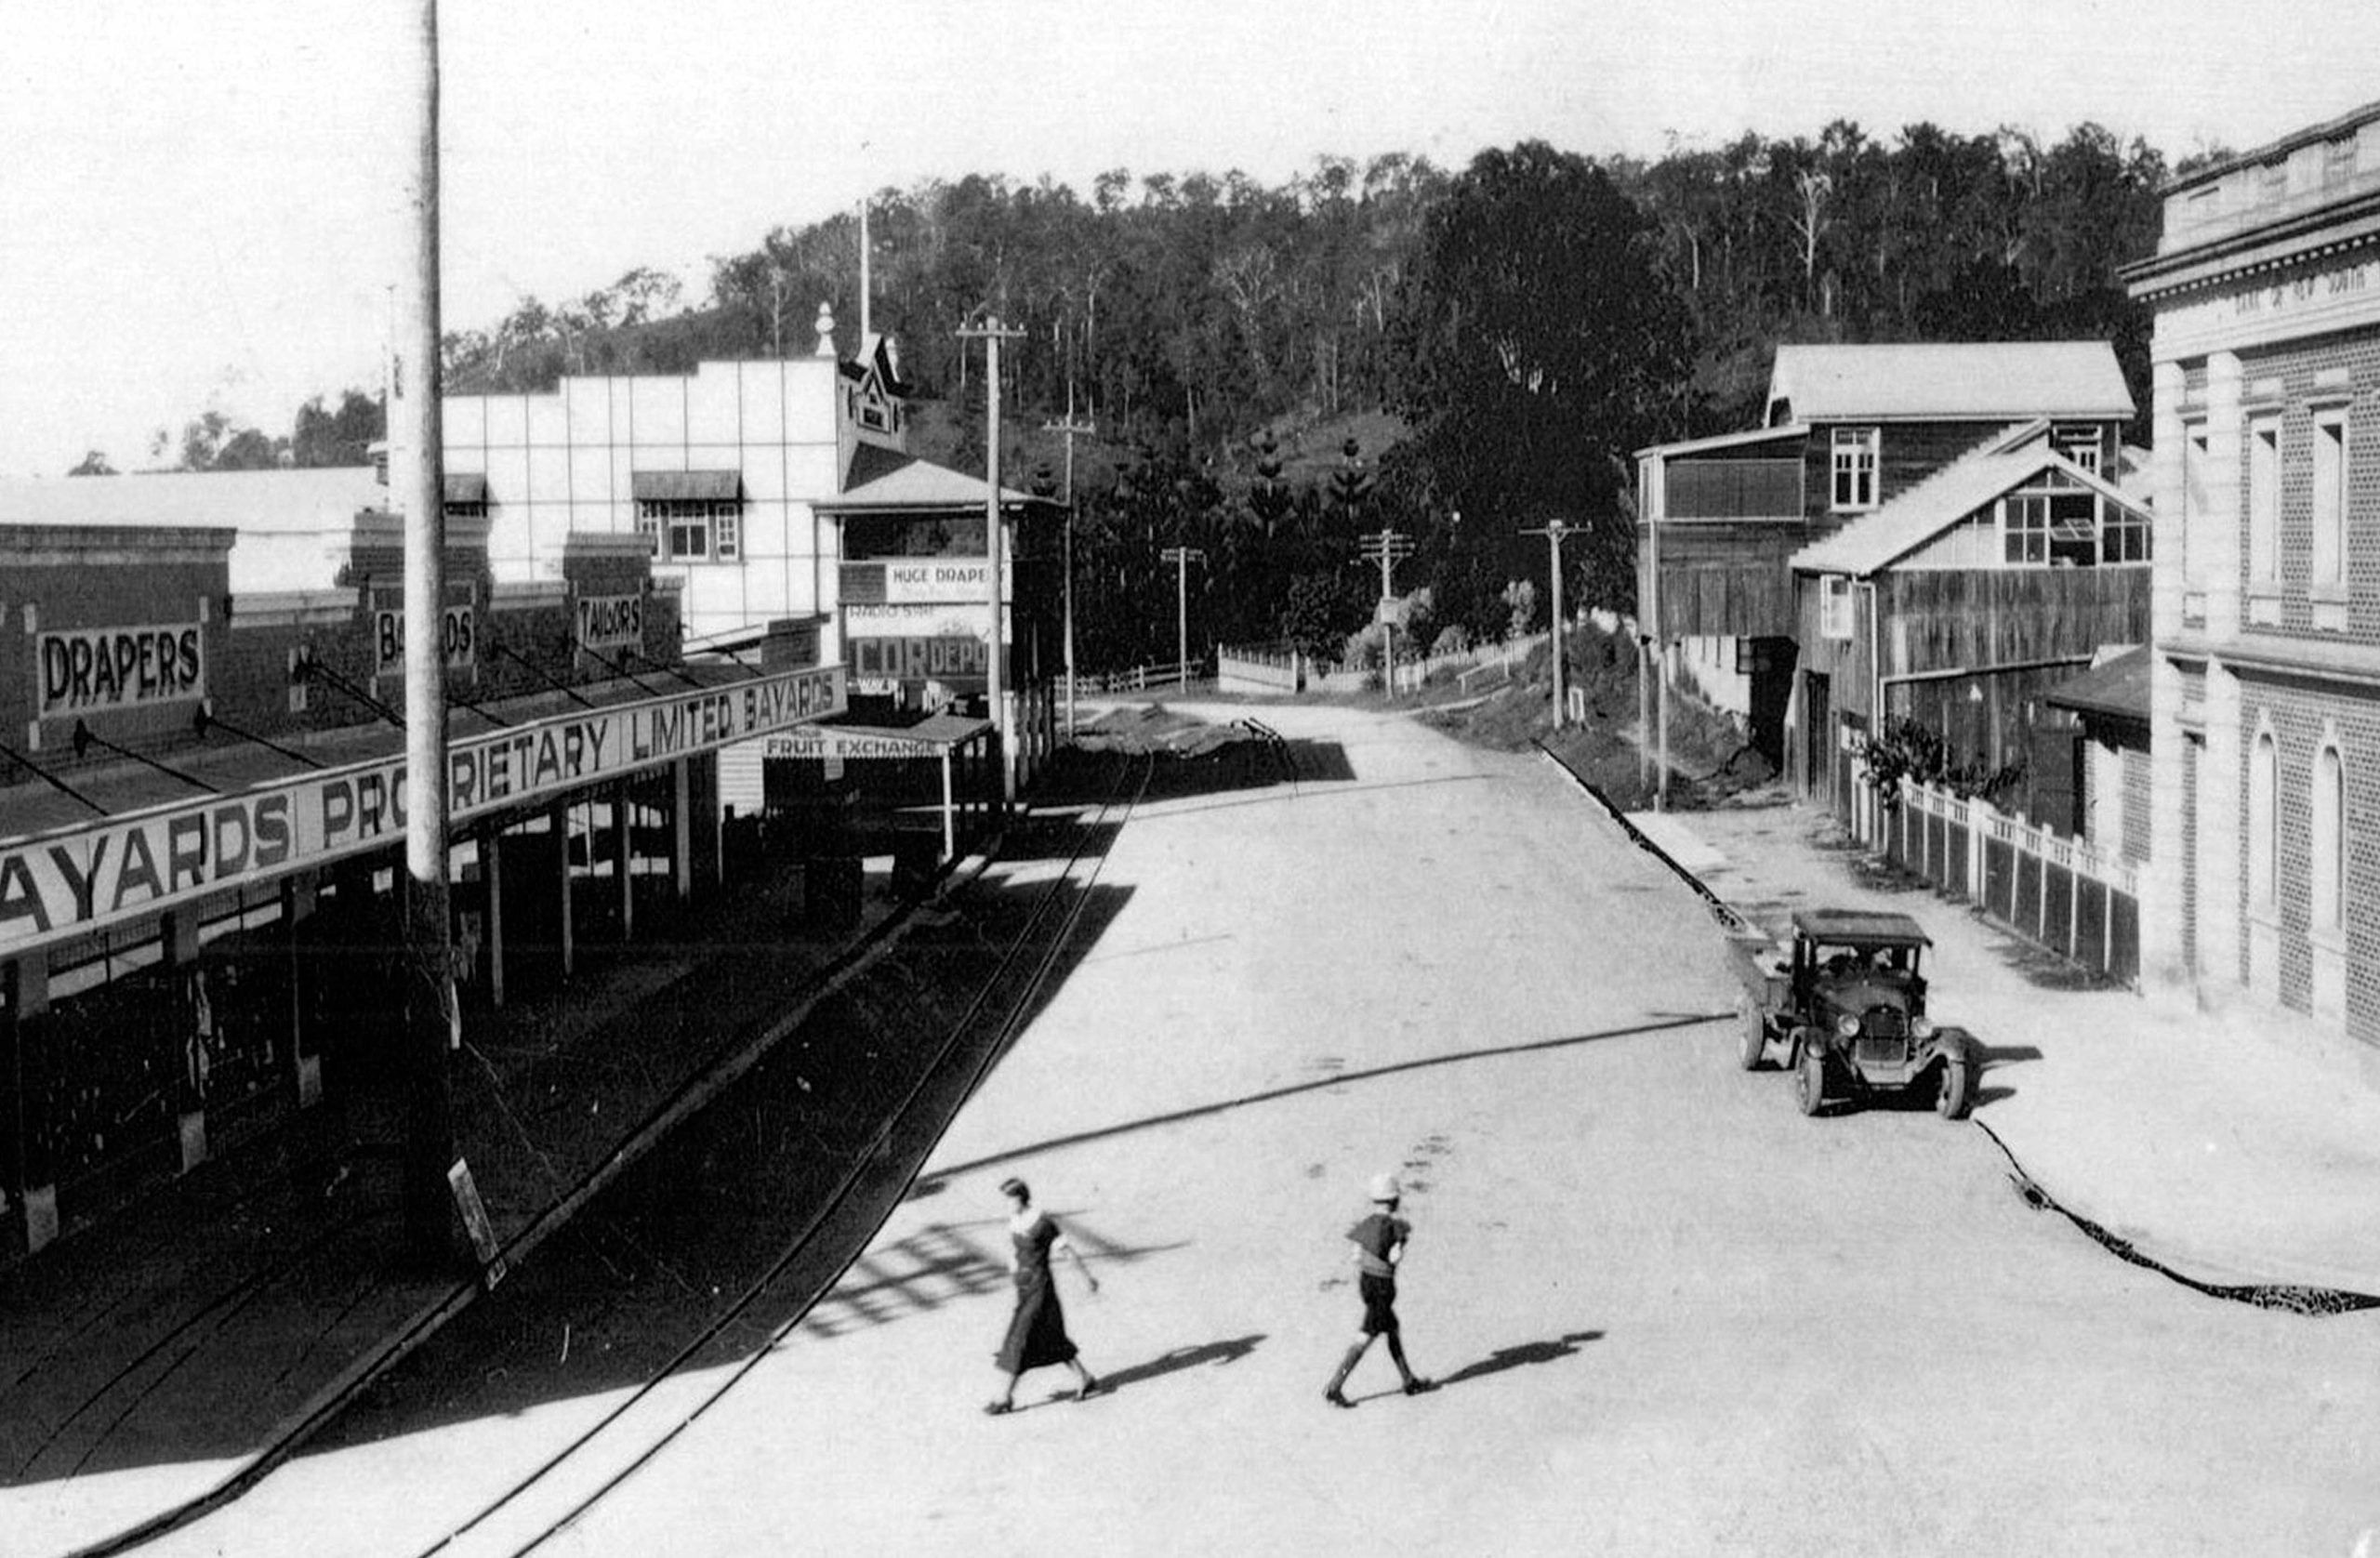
429 1010
992 333
1070 429
1388 547
1554 530
1181 558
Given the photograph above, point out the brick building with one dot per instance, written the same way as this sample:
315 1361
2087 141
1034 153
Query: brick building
2264 687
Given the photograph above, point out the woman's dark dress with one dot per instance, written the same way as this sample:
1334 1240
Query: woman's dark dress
1036 1332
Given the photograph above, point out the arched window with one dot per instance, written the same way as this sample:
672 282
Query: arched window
2264 789
2328 909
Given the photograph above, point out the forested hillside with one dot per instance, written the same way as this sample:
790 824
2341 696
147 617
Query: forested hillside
1524 323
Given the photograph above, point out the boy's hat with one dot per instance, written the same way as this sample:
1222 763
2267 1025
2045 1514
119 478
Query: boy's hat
1386 1188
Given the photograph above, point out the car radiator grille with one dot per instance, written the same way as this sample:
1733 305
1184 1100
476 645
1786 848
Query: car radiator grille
1884 1037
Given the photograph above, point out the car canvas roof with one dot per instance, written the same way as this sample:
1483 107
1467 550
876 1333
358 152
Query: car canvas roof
1860 925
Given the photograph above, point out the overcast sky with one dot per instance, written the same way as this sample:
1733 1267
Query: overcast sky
199 199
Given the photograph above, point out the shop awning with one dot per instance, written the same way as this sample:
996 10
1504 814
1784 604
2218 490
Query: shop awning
468 486
661 486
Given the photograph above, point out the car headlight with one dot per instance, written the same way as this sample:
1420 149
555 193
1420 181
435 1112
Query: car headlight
1921 1027
1847 1025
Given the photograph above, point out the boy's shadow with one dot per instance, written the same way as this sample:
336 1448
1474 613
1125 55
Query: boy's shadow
1516 1357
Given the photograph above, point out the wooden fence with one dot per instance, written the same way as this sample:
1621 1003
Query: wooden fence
2082 902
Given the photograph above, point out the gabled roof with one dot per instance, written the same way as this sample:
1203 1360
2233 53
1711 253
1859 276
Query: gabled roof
1944 499
2116 686
1980 379
882 478
1727 441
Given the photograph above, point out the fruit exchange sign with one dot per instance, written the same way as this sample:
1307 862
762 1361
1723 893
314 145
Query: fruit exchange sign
75 881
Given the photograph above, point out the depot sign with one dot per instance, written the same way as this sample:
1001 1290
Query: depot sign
77 880
92 670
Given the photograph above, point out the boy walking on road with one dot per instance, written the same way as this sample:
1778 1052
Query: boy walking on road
1379 1242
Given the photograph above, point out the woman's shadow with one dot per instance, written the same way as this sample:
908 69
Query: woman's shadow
1178 1359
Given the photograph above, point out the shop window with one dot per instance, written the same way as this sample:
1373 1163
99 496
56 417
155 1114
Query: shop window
1855 467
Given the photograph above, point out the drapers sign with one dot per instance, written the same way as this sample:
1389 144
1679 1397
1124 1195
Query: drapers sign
458 634
938 579
76 880
87 670
611 621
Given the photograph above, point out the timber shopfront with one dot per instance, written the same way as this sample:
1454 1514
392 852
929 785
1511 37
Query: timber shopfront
198 915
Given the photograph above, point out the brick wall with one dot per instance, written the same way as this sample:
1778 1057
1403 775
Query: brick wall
2301 716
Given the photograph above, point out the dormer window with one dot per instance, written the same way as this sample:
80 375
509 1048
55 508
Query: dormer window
1856 451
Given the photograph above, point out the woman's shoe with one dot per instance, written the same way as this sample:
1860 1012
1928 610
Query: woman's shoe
1418 1386
1092 1388
1337 1400
998 1408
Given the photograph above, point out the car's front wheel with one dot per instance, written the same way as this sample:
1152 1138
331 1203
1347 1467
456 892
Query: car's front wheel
1809 1080
1957 1094
1753 1046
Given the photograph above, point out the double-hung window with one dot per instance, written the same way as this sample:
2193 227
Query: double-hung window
1855 468
2330 497
2264 500
692 529
1834 606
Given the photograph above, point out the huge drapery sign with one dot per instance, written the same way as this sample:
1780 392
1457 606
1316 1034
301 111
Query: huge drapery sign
74 881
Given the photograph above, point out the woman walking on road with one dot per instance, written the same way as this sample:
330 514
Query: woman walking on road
1037 1331
1379 1242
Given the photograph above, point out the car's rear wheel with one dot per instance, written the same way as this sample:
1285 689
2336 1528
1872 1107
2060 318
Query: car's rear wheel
1753 1046
1957 1094
1809 1080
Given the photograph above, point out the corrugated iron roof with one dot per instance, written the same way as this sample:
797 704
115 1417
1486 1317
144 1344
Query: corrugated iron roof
295 526
887 479
1934 505
2116 686
663 486
1727 441
1976 379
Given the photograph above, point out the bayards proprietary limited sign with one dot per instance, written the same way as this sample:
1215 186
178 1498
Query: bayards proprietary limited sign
91 670
75 881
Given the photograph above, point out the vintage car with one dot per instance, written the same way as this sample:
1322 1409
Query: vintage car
1844 1009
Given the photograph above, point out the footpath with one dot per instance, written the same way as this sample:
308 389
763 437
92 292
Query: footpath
2233 1151
162 1356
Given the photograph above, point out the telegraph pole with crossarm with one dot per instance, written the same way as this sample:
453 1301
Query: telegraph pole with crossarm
1070 429
1388 547
1181 558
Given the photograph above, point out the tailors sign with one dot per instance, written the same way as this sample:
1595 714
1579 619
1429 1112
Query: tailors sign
75 881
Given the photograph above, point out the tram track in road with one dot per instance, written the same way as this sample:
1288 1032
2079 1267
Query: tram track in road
989 1023
603 1238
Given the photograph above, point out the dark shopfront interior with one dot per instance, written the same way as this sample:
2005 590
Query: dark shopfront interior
136 1052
